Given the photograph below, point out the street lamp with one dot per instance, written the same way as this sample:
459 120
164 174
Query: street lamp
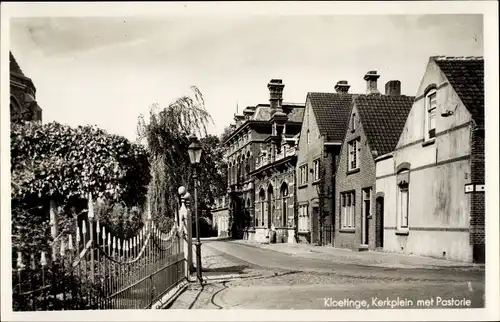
194 151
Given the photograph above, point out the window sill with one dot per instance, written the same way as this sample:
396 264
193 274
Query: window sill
353 171
316 181
303 231
429 142
302 186
347 230
402 232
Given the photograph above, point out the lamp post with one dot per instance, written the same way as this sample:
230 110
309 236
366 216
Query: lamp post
194 151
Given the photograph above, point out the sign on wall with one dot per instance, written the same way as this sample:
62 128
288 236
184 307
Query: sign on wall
472 187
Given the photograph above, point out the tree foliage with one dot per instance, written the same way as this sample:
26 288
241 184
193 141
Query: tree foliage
57 162
166 135
212 171
62 163
226 133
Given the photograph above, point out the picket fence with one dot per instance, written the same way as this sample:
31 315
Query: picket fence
99 270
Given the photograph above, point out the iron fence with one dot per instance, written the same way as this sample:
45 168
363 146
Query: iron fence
103 272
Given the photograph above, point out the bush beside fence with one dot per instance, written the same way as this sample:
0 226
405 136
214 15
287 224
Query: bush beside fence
92 269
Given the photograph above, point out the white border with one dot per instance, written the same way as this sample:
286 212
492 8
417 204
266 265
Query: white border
488 8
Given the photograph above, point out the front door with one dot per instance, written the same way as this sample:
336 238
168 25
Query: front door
379 241
315 225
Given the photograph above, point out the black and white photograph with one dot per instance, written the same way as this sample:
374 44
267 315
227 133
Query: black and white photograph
275 161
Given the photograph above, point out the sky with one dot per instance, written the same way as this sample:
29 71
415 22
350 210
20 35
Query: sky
109 70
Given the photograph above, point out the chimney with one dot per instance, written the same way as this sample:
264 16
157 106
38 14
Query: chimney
342 87
371 82
275 94
393 87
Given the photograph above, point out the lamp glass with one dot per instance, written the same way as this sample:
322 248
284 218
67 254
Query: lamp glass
194 151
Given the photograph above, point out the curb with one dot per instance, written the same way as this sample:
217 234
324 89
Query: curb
207 239
168 299
383 265
228 277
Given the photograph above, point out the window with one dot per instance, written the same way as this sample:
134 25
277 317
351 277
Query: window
348 206
353 122
284 204
308 138
403 200
430 119
353 149
303 175
316 174
403 206
303 225
367 202
365 216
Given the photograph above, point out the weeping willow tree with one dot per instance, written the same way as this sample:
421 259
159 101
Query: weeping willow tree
166 135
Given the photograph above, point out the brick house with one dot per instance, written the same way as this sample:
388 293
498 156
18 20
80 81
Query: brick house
261 152
23 105
323 128
431 188
375 124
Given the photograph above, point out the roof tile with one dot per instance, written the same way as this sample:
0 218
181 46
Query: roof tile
332 112
383 118
466 76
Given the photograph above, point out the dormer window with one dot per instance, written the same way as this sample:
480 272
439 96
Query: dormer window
353 122
430 115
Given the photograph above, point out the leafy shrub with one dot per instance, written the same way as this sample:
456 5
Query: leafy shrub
62 163
206 229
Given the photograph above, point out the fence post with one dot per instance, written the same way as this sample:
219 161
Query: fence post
53 224
184 230
91 236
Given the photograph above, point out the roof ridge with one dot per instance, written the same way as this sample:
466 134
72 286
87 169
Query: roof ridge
444 57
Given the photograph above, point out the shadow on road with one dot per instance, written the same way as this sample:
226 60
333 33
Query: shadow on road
226 269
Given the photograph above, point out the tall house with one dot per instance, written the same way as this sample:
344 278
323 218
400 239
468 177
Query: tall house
431 187
323 129
23 105
375 124
260 154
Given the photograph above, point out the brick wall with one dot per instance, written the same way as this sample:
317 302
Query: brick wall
308 192
478 210
328 187
364 178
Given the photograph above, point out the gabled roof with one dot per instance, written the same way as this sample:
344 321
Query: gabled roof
383 118
466 76
331 111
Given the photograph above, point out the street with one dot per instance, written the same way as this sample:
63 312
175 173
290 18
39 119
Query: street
253 277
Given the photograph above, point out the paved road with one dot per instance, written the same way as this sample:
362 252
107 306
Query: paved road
294 282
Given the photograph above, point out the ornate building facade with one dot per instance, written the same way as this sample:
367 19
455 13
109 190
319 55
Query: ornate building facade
261 160
23 104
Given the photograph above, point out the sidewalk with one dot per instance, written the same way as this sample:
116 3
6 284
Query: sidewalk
217 269
217 265
365 258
